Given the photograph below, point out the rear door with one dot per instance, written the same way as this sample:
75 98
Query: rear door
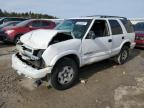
117 35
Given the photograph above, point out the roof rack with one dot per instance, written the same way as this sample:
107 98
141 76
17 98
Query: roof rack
106 16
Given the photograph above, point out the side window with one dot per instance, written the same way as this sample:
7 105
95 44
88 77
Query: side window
115 27
16 19
36 24
7 19
128 25
99 29
45 24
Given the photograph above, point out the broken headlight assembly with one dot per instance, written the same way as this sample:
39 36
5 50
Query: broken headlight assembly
38 53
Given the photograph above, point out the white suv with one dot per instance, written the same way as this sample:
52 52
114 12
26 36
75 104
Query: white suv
74 43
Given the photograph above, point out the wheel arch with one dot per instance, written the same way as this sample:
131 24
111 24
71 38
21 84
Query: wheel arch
73 56
126 43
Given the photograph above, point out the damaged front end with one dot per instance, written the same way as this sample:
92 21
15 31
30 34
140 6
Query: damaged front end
29 62
30 57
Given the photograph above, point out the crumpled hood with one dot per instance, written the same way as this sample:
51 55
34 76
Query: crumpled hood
39 39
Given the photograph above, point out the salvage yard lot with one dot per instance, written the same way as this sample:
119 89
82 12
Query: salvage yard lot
105 85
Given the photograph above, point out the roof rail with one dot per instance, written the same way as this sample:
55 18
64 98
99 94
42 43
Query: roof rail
106 16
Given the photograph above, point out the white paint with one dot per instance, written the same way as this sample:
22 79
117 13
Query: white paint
86 50
39 39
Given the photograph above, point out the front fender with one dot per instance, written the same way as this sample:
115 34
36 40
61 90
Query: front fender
58 57
56 51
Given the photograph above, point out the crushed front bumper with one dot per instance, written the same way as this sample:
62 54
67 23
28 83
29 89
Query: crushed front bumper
28 71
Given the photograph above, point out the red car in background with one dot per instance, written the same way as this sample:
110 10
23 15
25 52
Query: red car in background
139 31
12 34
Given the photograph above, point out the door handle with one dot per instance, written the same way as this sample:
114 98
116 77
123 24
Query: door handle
123 37
110 40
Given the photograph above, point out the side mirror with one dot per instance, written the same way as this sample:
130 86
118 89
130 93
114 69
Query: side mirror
91 35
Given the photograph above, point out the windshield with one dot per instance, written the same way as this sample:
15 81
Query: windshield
139 26
23 23
77 26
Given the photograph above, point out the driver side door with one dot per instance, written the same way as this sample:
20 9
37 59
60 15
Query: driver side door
97 44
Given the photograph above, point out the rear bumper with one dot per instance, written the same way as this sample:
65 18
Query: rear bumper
28 71
132 45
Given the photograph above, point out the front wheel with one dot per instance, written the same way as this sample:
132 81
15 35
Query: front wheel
64 74
122 57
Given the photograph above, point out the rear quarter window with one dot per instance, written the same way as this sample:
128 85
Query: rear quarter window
115 27
128 25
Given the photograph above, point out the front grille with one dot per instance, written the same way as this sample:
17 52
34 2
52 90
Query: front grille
27 49
38 64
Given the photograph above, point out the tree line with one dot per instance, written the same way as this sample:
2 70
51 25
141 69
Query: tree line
25 15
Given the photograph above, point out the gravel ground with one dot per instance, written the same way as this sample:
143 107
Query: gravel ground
104 85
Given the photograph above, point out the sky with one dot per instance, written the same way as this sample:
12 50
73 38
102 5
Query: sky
75 8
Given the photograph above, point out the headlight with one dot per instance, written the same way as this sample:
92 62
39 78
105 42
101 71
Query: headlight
38 53
9 31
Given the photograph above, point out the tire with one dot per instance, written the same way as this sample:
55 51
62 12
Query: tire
65 74
122 57
17 39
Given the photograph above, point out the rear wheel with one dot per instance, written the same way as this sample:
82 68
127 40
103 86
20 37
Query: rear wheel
122 57
65 74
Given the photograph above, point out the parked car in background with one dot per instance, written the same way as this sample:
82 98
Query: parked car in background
139 34
12 34
7 19
10 23
58 54
57 21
